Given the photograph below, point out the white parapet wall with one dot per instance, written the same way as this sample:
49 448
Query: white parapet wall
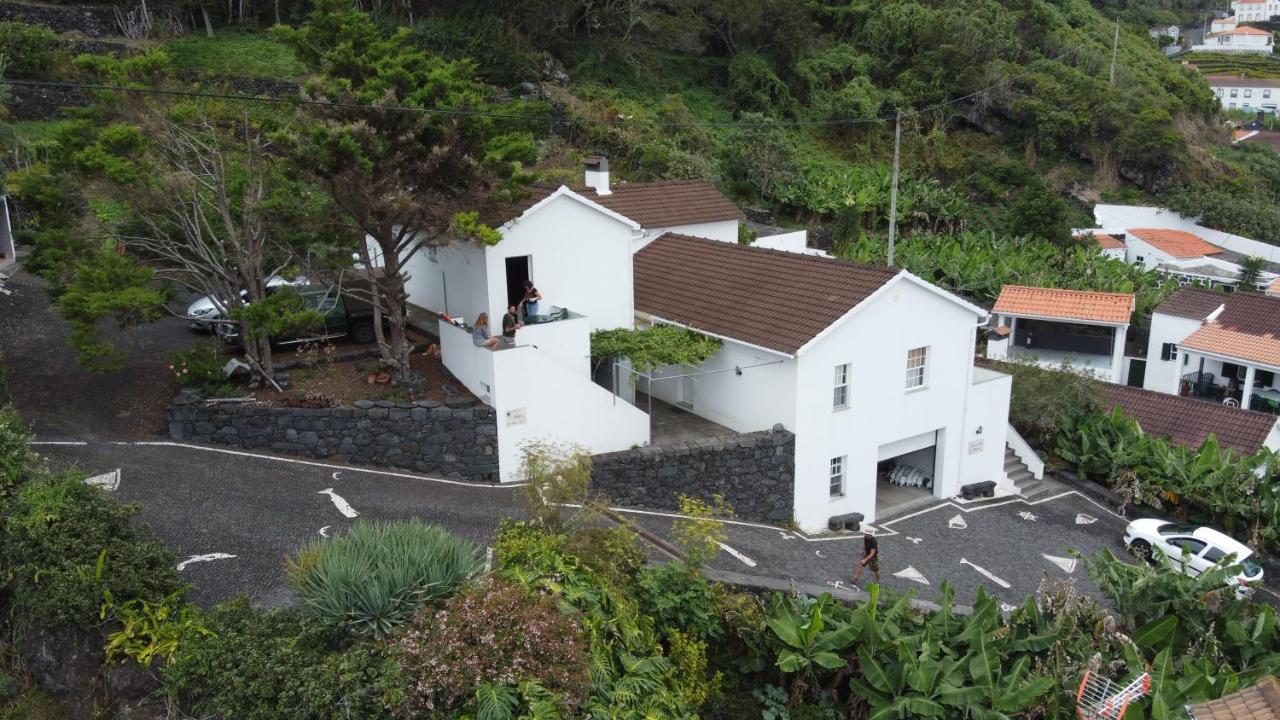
470 364
1120 217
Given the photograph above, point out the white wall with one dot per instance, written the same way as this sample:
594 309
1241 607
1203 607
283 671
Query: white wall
1136 247
764 394
568 341
452 280
471 365
1139 216
1163 375
982 456
797 242
723 230
539 398
580 260
874 340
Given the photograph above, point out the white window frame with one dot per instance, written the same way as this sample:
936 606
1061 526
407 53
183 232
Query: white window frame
917 375
1248 92
840 387
835 476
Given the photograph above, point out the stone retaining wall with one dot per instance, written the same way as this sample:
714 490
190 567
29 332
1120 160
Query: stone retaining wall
92 20
755 472
457 439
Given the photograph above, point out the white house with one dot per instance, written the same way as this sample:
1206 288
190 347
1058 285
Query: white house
1170 30
1053 327
1255 10
1111 246
1224 24
1220 347
1241 93
867 366
1241 39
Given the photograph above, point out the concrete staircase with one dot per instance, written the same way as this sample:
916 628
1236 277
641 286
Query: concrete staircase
1023 479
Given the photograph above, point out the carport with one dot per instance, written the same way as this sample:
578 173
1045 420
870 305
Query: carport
905 472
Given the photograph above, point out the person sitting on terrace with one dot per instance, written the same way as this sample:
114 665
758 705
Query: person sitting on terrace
480 333
511 323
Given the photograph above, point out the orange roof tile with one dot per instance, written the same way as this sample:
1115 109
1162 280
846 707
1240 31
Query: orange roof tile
1274 287
1177 243
1242 30
1215 338
1107 242
1062 304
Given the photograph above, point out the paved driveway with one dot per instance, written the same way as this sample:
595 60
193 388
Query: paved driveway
1006 546
261 509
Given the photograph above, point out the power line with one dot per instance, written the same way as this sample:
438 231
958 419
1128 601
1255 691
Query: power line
458 112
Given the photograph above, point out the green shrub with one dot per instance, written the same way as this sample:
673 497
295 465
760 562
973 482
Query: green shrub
679 599
66 543
29 51
755 87
200 367
147 631
377 575
498 633
17 462
282 664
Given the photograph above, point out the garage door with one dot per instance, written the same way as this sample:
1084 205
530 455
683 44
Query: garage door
906 445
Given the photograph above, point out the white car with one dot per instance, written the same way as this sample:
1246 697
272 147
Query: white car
1201 547
204 313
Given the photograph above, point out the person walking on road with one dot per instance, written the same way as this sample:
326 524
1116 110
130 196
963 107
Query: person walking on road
870 556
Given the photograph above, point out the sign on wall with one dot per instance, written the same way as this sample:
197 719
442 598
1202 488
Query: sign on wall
517 416
975 446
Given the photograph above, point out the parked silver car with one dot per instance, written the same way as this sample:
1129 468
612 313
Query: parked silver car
205 312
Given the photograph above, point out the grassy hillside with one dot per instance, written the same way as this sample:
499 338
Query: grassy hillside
1255 66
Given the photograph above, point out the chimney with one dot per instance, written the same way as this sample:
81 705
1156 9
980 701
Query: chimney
597 174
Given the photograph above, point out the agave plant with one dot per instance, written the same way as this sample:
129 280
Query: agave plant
377 575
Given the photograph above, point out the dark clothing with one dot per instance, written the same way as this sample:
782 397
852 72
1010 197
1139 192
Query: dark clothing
870 544
509 322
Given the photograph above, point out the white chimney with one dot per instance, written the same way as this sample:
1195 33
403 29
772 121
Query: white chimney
597 175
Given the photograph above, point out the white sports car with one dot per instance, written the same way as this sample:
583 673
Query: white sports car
1193 549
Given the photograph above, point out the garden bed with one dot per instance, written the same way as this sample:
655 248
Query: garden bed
338 383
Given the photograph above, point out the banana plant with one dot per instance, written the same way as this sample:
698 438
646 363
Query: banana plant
809 643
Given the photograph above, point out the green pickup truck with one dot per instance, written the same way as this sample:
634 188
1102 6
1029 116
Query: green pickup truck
344 317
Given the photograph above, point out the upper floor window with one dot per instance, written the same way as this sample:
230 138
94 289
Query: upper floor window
837 477
1248 93
917 360
840 391
1217 91
1266 93
1234 92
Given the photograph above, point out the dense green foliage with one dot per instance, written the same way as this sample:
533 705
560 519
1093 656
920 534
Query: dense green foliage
1216 486
1045 401
654 346
1241 202
29 51
377 575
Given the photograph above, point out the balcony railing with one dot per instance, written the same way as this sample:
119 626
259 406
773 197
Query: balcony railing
1202 386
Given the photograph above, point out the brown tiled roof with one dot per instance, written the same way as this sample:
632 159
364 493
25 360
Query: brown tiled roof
1107 242
1065 304
1189 422
1248 328
1178 243
1192 303
770 298
652 205
1244 82
1260 702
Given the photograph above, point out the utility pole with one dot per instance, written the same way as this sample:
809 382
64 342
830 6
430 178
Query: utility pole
1115 45
893 192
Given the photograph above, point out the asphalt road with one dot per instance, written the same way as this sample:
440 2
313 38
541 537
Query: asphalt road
262 509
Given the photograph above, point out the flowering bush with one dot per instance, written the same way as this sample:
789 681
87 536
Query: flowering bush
199 367
497 633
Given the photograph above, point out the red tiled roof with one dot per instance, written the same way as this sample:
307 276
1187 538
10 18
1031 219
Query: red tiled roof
1107 242
1193 303
1248 328
1260 702
770 298
1176 243
1242 30
1065 304
652 205
1189 422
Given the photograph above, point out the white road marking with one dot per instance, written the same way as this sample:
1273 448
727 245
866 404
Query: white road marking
336 474
887 530
839 585
957 523
914 540
343 506
819 553
107 481
203 558
330 466
990 576
1067 565
1082 519
57 442
912 574
324 531
743 558
1028 515
786 536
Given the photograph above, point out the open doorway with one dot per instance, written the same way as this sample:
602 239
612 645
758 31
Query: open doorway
906 473
517 275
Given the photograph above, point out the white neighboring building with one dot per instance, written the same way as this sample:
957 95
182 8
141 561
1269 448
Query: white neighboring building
1170 30
1255 10
1053 327
1223 24
1111 246
1241 39
1219 347
1239 93
867 366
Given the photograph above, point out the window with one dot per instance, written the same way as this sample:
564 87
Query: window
1168 351
840 394
1188 545
916 361
1142 259
1248 93
1266 94
1234 92
837 476
1231 106
1218 92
